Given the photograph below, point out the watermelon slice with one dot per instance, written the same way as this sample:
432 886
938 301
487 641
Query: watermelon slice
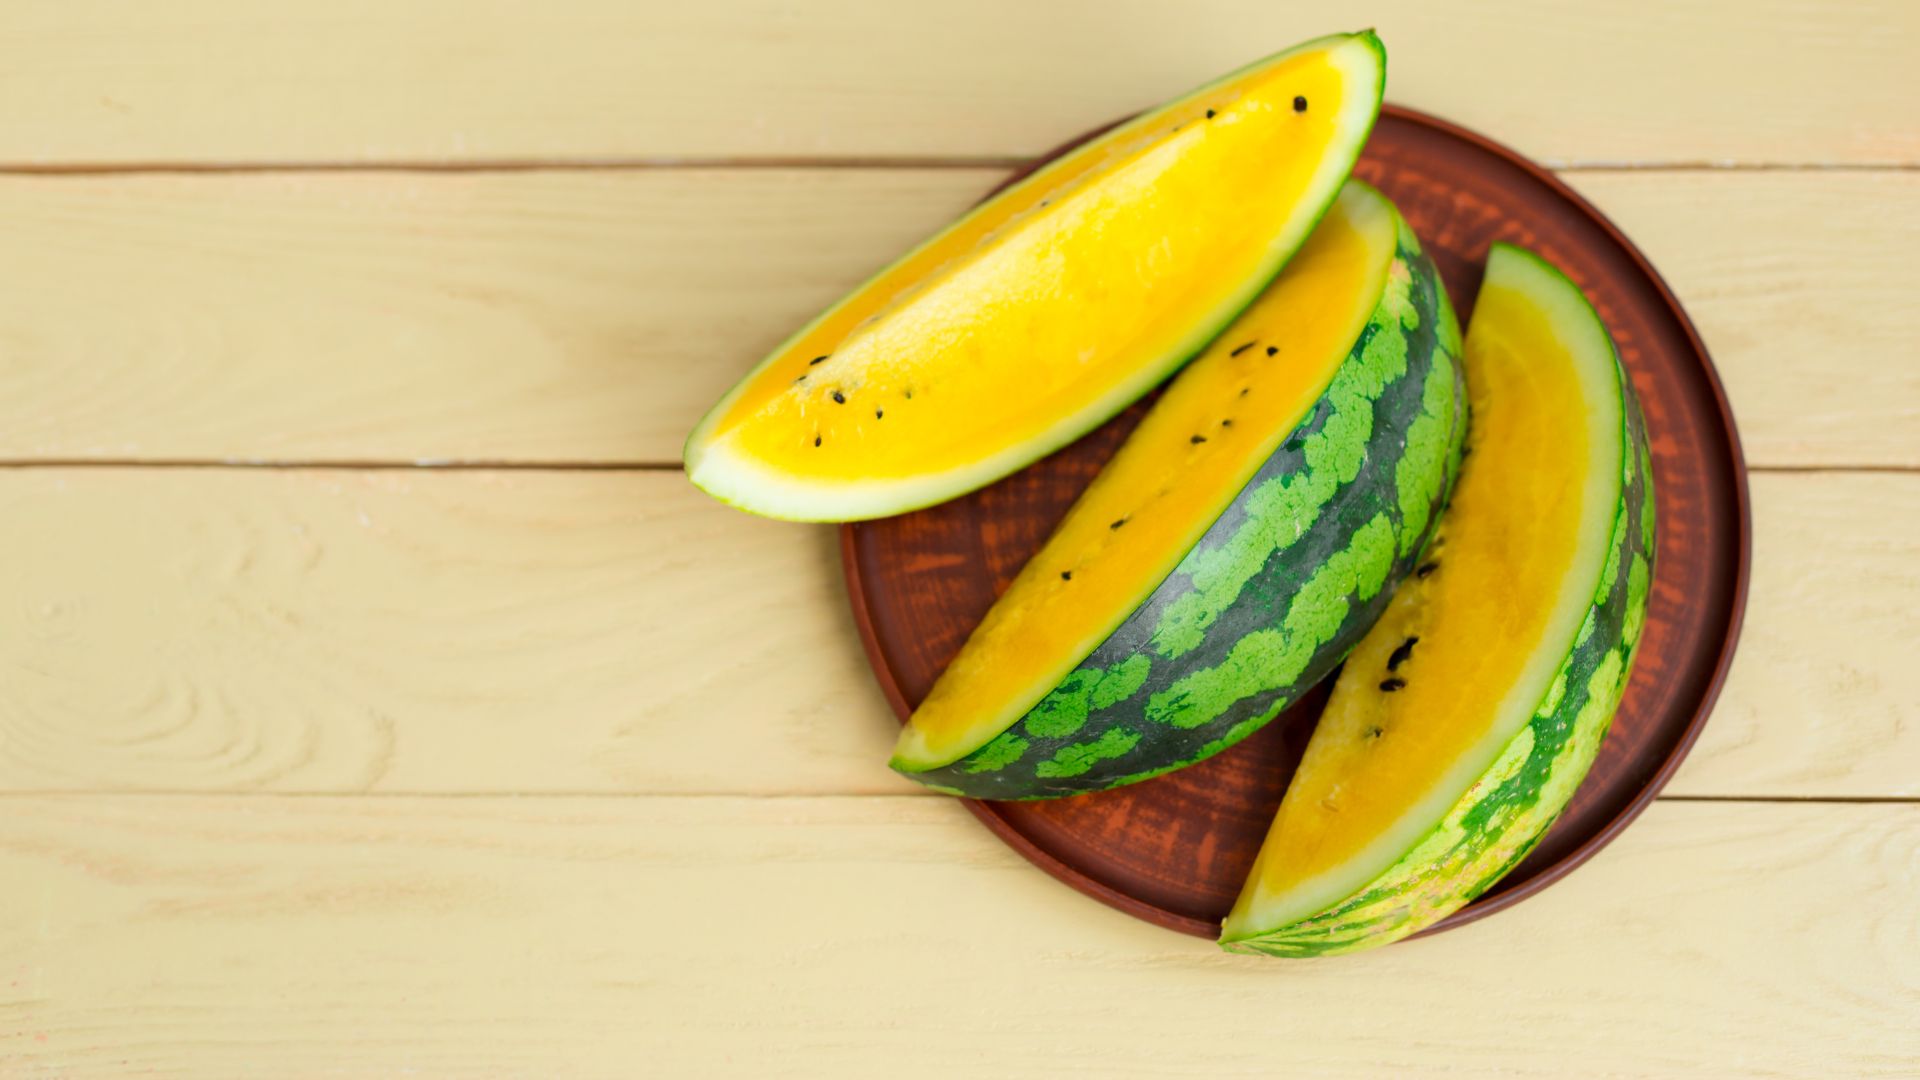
1239 543
1465 719
1050 307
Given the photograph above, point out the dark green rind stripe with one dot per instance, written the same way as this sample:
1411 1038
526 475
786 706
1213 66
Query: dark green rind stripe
1281 586
1500 819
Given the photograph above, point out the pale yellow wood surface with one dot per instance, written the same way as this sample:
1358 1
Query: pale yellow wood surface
593 316
212 937
559 771
447 80
471 632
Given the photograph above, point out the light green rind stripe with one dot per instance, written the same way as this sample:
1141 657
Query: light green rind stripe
1003 751
1268 659
1421 472
1065 710
1078 758
1647 500
1612 572
1638 581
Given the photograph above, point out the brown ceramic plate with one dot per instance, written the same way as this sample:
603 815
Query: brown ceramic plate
1174 850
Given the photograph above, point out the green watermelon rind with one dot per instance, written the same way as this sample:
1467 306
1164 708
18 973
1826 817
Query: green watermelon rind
1506 812
1281 586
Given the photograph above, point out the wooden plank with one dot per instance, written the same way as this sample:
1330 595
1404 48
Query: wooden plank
1789 278
411 630
1821 699
211 937
351 317
419 631
96 81
594 316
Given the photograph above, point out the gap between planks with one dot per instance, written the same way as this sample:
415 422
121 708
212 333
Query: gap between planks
766 796
342 464
487 465
896 161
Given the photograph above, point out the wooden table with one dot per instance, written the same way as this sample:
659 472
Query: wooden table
379 699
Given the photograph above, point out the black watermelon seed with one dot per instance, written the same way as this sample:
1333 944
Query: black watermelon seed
801 379
1401 654
816 360
1226 423
839 398
1273 350
1066 575
816 440
1241 349
878 413
909 395
1044 202
1375 732
1197 439
1390 685
1117 524
1245 390
1425 568
1209 114
1299 103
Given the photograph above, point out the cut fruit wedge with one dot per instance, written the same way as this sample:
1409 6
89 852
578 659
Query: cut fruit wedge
1050 307
1463 722
1237 545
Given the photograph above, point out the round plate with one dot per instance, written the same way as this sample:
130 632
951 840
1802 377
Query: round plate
1175 849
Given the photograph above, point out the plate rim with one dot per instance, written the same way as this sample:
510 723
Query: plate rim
1481 907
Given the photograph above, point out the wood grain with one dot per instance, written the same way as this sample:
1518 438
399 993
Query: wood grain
405 317
96 81
1787 276
594 316
288 653
471 632
208 937
234 630
1823 693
